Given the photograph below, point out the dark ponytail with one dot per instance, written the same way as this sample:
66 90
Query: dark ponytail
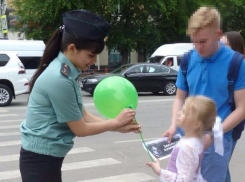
59 42
51 51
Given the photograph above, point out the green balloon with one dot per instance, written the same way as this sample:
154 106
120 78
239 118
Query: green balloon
113 94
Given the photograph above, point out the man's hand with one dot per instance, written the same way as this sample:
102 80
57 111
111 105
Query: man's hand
169 133
207 139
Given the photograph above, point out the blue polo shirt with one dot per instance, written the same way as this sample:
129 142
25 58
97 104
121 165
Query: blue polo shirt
55 100
208 77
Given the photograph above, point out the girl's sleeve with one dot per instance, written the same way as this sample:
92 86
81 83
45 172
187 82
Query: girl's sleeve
186 164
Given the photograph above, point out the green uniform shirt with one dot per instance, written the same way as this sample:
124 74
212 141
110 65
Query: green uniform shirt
55 99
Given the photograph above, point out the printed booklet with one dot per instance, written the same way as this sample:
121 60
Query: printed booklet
160 148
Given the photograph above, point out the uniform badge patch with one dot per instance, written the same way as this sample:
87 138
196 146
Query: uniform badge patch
65 70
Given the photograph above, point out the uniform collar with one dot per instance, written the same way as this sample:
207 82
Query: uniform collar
74 72
215 55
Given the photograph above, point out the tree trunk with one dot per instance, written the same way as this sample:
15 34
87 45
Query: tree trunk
124 54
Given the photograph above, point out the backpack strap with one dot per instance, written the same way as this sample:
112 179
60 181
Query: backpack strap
184 65
232 76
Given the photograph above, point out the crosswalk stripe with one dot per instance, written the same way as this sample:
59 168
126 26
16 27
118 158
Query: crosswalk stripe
15 157
138 140
80 150
9 127
8 121
66 167
13 108
135 177
92 104
10 134
9 174
7 115
2 110
10 143
89 164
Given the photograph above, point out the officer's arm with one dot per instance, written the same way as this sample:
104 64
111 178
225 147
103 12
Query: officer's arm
238 114
90 118
81 128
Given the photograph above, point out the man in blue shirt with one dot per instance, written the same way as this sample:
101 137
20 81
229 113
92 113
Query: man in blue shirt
208 67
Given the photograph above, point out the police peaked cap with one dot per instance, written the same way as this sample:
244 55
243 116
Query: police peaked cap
86 24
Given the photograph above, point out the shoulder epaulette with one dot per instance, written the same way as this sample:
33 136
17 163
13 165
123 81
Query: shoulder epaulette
65 70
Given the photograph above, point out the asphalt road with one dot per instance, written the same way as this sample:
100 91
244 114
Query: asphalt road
108 157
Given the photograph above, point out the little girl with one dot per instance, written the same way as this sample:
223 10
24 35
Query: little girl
197 116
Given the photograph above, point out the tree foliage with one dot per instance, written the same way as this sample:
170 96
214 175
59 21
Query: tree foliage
136 24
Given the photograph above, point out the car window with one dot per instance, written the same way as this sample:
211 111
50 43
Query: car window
169 62
153 69
121 68
30 62
164 69
136 69
4 58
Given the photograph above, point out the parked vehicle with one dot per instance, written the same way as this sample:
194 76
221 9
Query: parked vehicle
13 79
170 54
28 51
146 77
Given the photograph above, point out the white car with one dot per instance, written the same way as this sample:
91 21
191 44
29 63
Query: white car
170 54
13 79
29 52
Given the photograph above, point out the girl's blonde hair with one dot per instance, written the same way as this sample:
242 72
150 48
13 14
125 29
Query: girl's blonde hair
202 18
203 109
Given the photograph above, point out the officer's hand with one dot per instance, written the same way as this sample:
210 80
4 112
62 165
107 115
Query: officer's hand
125 117
129 127
169 133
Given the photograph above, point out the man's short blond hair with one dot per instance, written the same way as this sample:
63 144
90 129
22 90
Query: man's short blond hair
202 18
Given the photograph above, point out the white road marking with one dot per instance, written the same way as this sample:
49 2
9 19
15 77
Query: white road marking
7 115
2 110
13 108
129 141
92 104
66 167
9 127
135 177
8 121
9 174
10 143
15 157
10 134
80 150
89 164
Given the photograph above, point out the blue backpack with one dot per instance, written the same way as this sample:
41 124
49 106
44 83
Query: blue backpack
232 76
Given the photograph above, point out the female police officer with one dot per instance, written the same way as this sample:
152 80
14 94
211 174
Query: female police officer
55 113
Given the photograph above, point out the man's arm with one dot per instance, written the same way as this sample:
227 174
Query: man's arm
177 106
238 114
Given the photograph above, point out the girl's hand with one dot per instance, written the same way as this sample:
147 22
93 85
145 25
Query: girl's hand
129 127
125 117
155 166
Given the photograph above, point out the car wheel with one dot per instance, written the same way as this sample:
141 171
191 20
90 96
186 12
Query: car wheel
169 88
6 95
